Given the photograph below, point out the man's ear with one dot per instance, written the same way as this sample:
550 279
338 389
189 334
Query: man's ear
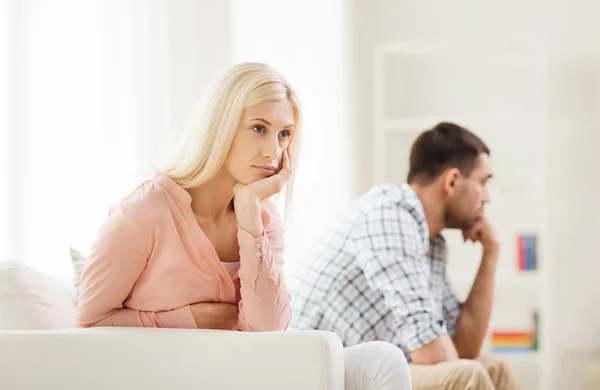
450 180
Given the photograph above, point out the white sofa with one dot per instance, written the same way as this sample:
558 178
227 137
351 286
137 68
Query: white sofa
165 359
37 350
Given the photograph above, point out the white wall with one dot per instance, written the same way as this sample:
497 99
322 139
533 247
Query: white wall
193 45
573 289
308 42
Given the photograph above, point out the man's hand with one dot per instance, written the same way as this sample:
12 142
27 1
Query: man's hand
483 232
439 350
215 315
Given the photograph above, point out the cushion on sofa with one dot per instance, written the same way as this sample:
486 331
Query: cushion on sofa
79 262
32 300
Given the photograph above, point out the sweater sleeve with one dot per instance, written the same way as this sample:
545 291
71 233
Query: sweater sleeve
116 261
265 301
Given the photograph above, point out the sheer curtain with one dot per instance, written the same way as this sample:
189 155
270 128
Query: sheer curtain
6 119
92 92
79 127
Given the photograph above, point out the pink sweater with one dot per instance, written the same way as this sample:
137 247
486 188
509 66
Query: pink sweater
151 261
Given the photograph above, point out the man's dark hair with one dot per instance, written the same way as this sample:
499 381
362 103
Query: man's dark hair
445 146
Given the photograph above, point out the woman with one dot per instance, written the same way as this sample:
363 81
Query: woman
200 245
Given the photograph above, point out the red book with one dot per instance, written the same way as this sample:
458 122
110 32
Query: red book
511 333
521 253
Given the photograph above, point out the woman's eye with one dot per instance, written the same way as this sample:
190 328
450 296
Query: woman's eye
258 128
285 134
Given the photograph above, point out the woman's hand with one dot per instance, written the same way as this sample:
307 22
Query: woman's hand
215 315
247 197
269 186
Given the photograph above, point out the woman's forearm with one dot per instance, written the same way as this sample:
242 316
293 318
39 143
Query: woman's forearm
177 318
265 302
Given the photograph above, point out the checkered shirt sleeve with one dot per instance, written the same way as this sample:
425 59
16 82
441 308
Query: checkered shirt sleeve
452 307
396 265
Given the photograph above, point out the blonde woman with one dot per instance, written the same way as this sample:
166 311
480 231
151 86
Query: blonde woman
200 245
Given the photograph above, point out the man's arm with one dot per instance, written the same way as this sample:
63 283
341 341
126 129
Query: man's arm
397 266
474 319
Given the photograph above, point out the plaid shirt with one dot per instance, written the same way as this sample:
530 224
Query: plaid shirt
378 276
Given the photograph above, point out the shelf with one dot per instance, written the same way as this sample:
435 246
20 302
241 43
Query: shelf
532 357
527 368
423 123
516 44
515 299
531 278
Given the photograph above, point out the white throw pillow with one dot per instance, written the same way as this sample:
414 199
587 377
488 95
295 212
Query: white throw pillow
31 300
79 261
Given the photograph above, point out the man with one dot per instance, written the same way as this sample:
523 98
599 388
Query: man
381 274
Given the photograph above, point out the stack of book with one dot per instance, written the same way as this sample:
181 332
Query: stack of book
511 342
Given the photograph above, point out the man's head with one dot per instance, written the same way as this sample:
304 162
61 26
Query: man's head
453 163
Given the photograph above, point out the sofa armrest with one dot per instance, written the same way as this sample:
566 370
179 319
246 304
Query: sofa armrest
153 359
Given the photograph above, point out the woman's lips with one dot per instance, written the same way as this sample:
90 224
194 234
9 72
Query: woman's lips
266 169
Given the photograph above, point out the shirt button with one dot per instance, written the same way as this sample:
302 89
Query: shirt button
258 245
258 254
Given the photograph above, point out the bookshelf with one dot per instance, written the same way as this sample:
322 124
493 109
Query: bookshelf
495 88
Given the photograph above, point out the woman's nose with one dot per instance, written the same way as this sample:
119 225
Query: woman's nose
271 148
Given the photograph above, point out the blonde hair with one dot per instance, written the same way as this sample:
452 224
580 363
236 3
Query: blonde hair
213 124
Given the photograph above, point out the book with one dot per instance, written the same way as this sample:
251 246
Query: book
527 252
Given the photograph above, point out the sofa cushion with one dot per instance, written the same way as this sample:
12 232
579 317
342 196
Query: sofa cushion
32 300
79 262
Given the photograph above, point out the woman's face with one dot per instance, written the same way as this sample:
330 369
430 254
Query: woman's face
263 133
